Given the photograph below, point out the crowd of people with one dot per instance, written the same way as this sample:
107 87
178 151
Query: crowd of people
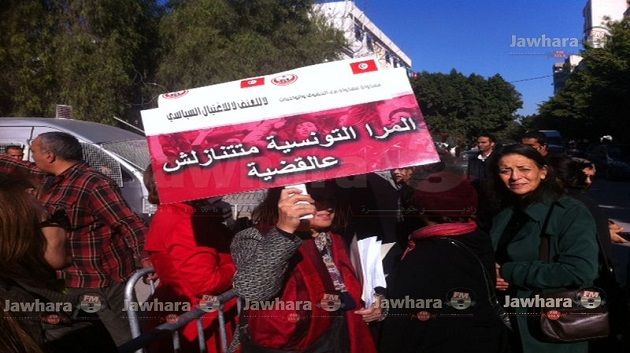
467 245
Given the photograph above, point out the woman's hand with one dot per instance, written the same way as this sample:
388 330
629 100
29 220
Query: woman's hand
375 313
501 283
147 263
614 229
291 207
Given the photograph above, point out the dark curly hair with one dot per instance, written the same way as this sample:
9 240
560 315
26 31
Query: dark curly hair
570 171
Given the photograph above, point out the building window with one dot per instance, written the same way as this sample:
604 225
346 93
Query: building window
387 57
370 43
358 33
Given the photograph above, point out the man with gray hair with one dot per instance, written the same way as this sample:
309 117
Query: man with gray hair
106 238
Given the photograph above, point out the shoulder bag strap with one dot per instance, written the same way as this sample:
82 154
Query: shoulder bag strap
484 270
492 297
544 249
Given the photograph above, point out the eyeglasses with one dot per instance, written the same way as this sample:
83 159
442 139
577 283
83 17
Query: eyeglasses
58 219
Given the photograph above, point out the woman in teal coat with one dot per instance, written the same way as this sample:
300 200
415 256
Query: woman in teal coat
529 191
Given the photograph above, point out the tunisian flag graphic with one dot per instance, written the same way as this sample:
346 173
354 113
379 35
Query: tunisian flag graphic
252 82
363 66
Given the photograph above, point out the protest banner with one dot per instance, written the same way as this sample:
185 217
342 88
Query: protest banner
313 123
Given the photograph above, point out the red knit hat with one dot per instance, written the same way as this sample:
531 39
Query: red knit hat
445 194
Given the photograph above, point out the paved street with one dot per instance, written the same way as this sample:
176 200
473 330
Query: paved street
614 198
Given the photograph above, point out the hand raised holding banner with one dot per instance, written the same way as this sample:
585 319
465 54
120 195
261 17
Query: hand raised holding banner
292 206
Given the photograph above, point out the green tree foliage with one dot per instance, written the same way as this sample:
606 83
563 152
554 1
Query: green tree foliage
112 57
89 54
596 98
212 41
102 49
26 61
465 106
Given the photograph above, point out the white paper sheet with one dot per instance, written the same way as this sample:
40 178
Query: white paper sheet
371 267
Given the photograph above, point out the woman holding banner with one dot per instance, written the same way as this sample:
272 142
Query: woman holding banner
295 276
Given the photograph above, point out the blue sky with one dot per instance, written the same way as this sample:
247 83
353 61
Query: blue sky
474 36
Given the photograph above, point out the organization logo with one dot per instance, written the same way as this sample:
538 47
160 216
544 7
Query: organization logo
553 314
175 95
293 317
52 319
37 306
284 80
330 302
544 42
90 303
278 304
423 316
171 318
157 305
590 298
209 303
460 299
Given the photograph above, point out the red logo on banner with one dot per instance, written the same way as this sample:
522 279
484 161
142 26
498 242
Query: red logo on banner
284 80
363 66
175 95
253 82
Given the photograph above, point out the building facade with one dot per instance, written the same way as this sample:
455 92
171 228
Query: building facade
562 71
596 14
363 37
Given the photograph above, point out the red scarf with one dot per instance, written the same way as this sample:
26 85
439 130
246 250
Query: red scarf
296 329
439 230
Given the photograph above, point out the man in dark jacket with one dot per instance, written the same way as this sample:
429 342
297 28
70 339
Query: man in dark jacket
480 178
477 165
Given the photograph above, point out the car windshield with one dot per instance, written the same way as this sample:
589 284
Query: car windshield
554 140
136 152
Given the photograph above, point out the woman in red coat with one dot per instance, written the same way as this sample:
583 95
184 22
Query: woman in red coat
189 248
296 279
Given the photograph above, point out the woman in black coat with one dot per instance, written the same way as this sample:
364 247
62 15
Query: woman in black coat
442 296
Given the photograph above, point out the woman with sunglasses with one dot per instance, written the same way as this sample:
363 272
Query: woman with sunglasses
295 276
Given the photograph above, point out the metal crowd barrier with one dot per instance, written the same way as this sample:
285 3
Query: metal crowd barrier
140 340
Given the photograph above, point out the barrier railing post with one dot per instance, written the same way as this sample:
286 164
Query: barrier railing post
222 330
132 316
140 340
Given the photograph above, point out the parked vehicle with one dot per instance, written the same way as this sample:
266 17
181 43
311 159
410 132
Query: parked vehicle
119 154
555 142
612 161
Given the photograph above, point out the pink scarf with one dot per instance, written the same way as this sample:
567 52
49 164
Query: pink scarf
439 230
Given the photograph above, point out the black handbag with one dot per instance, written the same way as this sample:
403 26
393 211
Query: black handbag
578 314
